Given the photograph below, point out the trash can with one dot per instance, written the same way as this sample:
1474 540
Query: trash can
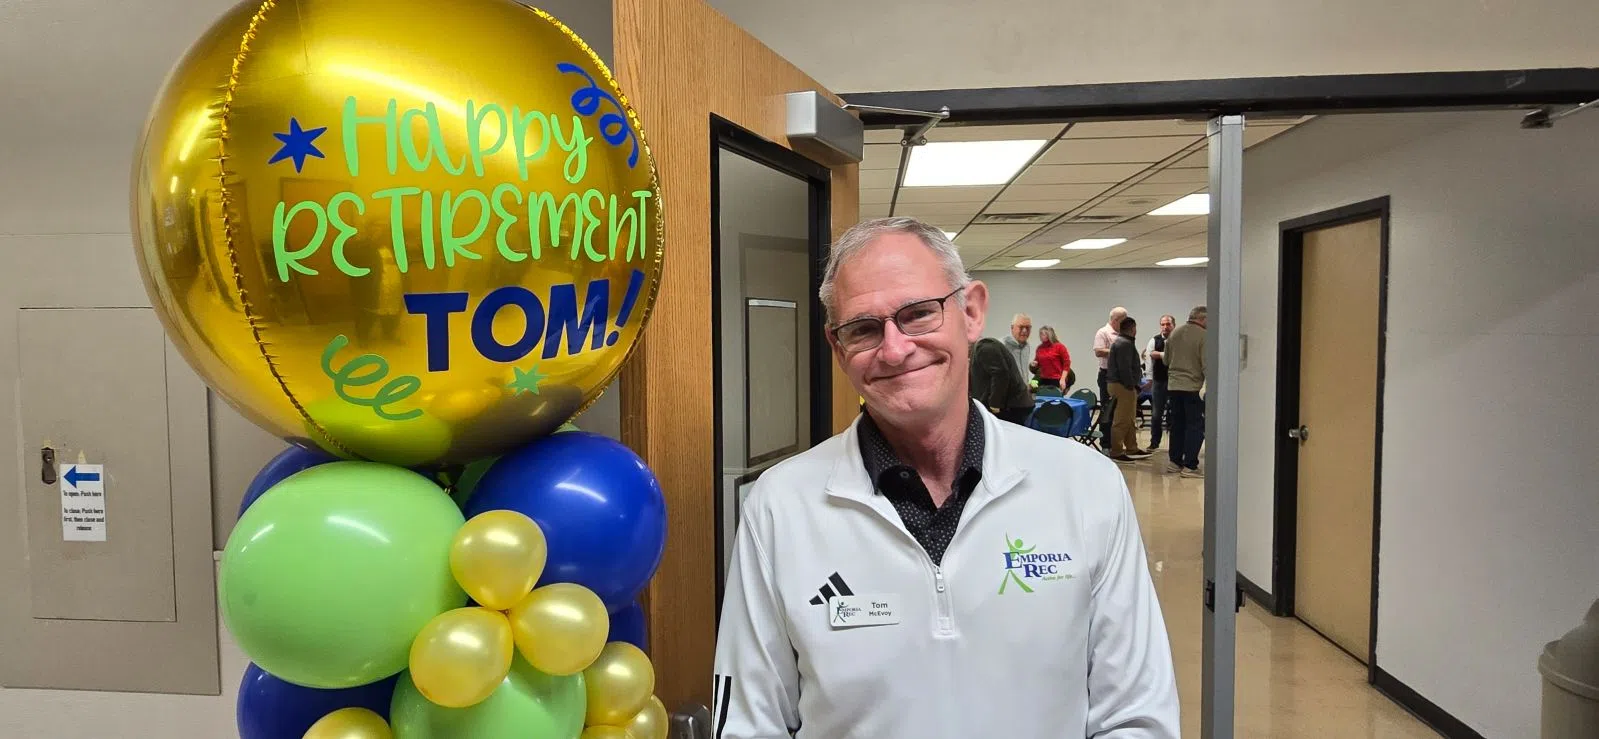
1570 670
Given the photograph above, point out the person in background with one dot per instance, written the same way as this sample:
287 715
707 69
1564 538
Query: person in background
1021 327
1103 338
1185 378
1054 362
1154 359
995 383
1126 373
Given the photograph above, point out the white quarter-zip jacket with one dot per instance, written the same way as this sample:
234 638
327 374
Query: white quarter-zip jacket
1041 622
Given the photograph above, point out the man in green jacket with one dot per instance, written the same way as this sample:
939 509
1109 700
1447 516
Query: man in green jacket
1185 378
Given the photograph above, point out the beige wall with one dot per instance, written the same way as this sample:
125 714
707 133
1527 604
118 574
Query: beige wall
1487 484
853 46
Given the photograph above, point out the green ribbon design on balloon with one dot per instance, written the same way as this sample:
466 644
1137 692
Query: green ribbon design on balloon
349 375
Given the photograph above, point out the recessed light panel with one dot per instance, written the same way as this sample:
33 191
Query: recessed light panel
1036 263
1183 262
1197 204
957 163
1094 243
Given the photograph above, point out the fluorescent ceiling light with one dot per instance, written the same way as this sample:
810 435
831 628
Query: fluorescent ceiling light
1036 263
952 163
1094 243
951 235
1182 262
1197 204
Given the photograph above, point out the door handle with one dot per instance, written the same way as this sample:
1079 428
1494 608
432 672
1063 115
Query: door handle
1302 434
47 465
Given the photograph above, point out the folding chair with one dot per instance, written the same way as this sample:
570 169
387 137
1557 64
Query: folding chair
1093 435
1052 417
1048 391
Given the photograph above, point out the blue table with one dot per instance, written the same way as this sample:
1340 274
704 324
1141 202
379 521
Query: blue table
1082 414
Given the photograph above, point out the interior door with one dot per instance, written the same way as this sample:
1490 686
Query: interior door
683 64
1339 328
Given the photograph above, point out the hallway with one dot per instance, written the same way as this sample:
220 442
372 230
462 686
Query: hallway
1291 681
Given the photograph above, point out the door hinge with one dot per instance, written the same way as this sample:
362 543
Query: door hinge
1210 596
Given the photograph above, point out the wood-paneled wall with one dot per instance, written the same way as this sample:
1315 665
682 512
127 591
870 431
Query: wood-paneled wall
680 61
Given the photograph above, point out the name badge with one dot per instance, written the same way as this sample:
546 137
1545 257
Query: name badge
849 611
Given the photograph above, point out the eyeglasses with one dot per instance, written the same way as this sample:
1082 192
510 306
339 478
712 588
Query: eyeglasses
866 333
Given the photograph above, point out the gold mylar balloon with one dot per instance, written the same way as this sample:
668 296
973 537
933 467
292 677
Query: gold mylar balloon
497 557
350 723
403 230
462 656
651 723
560 628
606 732
619 684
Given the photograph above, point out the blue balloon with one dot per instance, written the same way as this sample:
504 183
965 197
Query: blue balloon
289 461
270 708
601 509
627 624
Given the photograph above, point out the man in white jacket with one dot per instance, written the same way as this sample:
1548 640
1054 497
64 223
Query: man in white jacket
932 573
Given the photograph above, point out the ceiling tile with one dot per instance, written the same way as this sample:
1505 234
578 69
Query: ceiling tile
1199 176
1014 230
1120 129
882 156
938 212
1065 232
874 210
1128 207
1143 226
877 195
1146 150
1043 131
884 136
978 195
992 237
1199 159
878 178
1032 192
1160 189
1054 207
1061 174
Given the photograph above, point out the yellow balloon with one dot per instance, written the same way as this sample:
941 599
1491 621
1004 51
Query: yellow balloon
350 723
619 684
651 723
606 732
462 656
561 628
497 558
373 235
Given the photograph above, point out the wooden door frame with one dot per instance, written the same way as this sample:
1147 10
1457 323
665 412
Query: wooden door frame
1291 244
730 137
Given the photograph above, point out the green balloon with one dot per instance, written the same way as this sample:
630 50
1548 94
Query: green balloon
327 579
528 705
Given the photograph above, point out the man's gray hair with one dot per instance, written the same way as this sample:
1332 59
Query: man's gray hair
862 234
1197 313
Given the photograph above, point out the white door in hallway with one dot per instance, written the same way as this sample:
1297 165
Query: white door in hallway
1339 328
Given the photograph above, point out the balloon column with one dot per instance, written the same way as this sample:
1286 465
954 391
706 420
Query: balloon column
415 239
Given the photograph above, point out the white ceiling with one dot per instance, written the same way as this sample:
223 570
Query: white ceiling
1095 179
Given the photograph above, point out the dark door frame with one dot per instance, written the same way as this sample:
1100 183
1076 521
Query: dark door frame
1252 95
1285 488
728 136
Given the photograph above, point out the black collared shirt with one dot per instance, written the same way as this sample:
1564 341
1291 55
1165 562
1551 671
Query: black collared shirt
933 526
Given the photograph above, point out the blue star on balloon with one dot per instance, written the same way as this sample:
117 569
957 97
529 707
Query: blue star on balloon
298 144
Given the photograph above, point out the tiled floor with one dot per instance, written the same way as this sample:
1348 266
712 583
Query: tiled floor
1291 681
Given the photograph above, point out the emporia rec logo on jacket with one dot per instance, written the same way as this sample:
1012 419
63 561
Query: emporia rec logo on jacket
1024 564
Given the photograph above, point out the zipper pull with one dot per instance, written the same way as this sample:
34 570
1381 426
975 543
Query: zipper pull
938 577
